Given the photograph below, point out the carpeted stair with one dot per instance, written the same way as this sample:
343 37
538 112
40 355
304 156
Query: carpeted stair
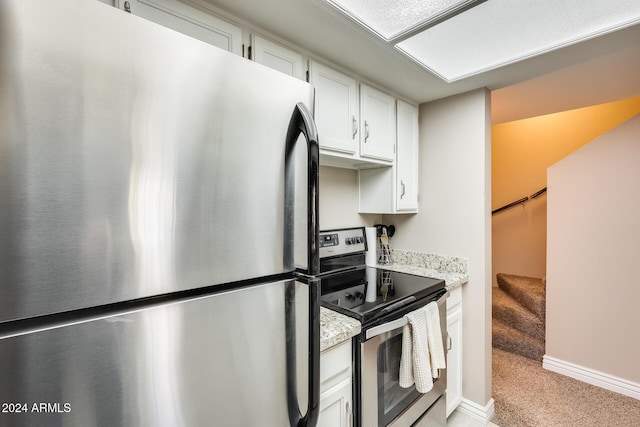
519 315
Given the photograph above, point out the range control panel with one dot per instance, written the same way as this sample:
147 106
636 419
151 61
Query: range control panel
342 242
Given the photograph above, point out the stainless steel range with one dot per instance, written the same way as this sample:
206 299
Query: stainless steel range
379 299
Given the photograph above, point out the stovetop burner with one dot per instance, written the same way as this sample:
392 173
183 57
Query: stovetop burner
365 293
368 293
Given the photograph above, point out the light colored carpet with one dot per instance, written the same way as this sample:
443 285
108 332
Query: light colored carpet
527 395
518 306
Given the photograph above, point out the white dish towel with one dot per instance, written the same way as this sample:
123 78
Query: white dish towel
422 349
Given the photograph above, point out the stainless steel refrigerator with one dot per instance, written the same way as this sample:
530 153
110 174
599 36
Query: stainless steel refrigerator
158 227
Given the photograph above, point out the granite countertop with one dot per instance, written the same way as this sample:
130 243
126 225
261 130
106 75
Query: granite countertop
336 328
452 280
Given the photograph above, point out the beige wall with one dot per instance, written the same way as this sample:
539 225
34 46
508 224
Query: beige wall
454 217
520 239
593 253
339 200
522 151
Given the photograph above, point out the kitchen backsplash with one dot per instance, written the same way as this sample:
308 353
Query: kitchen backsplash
432 261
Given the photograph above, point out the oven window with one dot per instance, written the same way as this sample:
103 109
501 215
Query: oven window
392 399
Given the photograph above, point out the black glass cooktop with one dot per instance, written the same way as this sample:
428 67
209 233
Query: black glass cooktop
368 293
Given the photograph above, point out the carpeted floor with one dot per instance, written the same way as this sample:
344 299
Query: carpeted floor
526 395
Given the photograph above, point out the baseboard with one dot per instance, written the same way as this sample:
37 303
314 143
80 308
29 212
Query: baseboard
484 414
590 376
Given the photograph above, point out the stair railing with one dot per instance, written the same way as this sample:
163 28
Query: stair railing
520 201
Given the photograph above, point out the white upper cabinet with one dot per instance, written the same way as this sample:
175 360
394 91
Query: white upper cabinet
279 58
336 109
359 126
356 123
395 189
407 158
378 124
187 20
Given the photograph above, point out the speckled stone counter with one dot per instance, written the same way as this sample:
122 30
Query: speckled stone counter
336 328
452 270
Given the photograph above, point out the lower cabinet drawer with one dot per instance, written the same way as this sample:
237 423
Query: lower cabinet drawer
336 387
335 365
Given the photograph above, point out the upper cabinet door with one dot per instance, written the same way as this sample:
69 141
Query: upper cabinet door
407 158
187 20
378 124
336 108
277 57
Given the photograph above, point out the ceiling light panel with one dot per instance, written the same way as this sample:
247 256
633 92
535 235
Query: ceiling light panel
500 32
390 19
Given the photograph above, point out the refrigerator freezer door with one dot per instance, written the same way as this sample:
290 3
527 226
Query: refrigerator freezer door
217 360
135 161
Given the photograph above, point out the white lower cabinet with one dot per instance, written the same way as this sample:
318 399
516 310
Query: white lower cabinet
335 406
336 388
454 354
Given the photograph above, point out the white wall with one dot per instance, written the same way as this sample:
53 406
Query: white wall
339 200
455 217
593 254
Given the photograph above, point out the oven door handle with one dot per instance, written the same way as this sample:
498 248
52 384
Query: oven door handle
397 305
395 324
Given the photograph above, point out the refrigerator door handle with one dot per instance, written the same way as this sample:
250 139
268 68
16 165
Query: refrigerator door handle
310 419
302 122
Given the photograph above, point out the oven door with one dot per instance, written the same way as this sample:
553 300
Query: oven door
383 401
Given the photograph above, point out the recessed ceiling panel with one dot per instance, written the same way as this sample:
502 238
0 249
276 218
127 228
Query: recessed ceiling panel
392 18
499 32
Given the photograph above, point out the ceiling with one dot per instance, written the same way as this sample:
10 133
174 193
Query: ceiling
591 72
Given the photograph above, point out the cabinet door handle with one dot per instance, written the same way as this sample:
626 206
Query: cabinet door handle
349 415
127 7
354 127
449 342
366 131
403 189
